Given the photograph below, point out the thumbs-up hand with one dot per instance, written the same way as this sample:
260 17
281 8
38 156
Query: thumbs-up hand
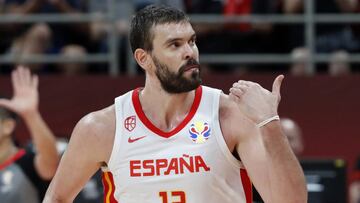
257 103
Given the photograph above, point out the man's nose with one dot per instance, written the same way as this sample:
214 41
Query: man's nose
189 52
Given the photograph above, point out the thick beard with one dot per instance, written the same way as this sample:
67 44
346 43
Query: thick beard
176 83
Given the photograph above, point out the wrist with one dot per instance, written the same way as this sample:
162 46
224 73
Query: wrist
30 114
267 121
271 130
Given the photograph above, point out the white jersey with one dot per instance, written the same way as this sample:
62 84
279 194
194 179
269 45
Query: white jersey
190 164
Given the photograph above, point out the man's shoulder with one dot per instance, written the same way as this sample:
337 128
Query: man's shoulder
98 122
227 105
232 119
95 132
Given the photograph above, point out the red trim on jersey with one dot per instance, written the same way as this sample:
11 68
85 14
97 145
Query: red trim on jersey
12 159
247 186
152 127
109 187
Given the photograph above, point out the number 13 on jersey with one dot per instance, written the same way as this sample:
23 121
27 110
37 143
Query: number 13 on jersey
172 196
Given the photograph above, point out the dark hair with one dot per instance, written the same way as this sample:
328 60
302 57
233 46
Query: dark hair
141 35
6 114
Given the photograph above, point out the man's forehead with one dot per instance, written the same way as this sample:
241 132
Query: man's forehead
167 31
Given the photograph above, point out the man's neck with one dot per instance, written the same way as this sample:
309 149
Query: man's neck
7 149
166 111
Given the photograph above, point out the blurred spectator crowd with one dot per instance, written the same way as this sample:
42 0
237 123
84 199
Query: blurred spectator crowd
77 39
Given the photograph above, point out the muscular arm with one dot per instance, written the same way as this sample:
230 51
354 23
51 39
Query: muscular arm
89 147
265 152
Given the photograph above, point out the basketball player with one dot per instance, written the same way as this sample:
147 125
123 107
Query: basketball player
173 140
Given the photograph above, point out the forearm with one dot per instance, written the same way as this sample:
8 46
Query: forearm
287 181
347 5
43 139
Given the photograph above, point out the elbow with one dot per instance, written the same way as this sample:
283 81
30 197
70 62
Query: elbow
53 198
47 171
51 172
299 195
304 196
301 198
48 175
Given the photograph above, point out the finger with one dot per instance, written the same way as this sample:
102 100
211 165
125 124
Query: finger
233 97
20 75
237 92
35 81
27 76
277 84
244 82
15 79
240 86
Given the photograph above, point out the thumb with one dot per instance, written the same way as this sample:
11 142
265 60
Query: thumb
6 104
277 84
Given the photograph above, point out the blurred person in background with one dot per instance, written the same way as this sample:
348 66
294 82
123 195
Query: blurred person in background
293 132
329 37
332 37
339 63
50 38
300 60
25 172
71 69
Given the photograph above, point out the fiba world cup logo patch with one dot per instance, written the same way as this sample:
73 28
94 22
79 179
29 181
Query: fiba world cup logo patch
199 132
130 123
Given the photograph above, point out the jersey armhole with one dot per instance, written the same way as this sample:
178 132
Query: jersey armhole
220 139
117 137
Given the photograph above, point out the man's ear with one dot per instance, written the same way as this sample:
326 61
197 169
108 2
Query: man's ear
142 58
8 126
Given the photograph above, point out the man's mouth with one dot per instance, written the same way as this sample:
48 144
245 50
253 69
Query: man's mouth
187 68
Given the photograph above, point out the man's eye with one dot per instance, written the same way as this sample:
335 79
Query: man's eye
175 44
